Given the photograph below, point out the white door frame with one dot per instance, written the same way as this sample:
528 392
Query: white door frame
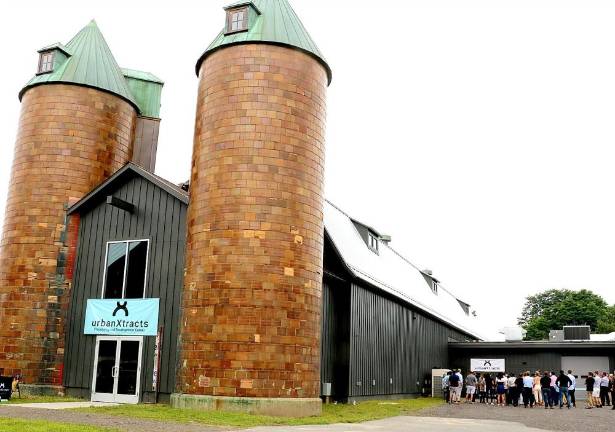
115 397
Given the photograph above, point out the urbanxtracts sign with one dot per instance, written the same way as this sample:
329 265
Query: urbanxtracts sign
138 317
487 365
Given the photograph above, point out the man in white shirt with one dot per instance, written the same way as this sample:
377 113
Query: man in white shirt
572 388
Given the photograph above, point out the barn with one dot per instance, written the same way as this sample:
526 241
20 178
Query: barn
385 323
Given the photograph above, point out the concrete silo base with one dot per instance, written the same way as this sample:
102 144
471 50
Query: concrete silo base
279 407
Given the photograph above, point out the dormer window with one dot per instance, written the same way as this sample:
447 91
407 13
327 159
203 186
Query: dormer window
45 63
372 242
237 20
434 286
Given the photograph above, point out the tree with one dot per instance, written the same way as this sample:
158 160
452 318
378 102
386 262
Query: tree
606 324
553 309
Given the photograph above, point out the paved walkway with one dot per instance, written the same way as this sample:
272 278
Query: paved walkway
405 424
573 420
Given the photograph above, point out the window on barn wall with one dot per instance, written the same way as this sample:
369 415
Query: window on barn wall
125 269
237 20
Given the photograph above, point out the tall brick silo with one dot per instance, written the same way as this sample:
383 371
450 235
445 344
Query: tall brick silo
77 127
250 332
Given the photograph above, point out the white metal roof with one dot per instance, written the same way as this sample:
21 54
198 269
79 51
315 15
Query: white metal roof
392 273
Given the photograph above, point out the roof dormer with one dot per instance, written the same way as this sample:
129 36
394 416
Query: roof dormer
51 58
240 16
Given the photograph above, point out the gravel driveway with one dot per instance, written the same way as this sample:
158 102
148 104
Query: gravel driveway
573 420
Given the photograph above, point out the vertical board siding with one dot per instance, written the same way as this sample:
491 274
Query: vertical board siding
392 347
335 339
159 217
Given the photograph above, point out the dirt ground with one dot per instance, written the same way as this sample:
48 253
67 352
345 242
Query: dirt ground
121 423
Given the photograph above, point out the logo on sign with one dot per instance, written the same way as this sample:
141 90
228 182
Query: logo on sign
121 307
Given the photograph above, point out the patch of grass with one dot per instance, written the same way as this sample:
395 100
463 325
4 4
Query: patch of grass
41 399
16 425
364 411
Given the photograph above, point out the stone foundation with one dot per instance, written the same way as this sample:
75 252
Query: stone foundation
40 390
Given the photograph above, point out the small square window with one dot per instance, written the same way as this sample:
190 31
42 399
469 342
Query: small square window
45 63
237 20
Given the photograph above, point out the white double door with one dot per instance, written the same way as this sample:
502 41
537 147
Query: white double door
117 369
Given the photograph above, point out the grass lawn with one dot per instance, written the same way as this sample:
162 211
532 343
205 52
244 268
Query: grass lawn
364 411
15 425
41 399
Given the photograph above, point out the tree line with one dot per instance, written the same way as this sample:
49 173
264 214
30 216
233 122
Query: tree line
554 309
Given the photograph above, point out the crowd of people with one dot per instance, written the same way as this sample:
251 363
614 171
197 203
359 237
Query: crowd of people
538 389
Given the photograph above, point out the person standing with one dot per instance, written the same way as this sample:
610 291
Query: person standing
454 384
545 384
528 386
589 387
482 389
596 393
554 390
519 386
612 377
563 382
537 389
470 387
604 390
501 383
490 389
572 388
512 389
445 389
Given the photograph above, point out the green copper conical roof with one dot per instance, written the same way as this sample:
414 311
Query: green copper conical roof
273 22
90 63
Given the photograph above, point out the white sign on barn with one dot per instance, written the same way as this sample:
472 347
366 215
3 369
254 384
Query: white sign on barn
488 365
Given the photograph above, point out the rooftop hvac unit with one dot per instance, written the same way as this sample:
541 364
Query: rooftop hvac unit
577 333
556 336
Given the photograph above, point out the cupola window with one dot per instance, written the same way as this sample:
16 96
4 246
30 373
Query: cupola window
237 20
45 63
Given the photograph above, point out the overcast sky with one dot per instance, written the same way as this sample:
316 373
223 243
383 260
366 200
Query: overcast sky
479 134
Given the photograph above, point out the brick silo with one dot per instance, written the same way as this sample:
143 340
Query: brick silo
76 128
250 333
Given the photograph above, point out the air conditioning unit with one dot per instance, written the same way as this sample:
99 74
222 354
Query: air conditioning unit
577 333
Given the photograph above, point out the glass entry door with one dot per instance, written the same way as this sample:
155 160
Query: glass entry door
117 369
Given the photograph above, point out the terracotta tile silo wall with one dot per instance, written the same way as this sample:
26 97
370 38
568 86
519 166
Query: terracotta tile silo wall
70 139
251 318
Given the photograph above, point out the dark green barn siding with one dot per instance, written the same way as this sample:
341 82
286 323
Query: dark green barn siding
335 350
159 217
392 346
